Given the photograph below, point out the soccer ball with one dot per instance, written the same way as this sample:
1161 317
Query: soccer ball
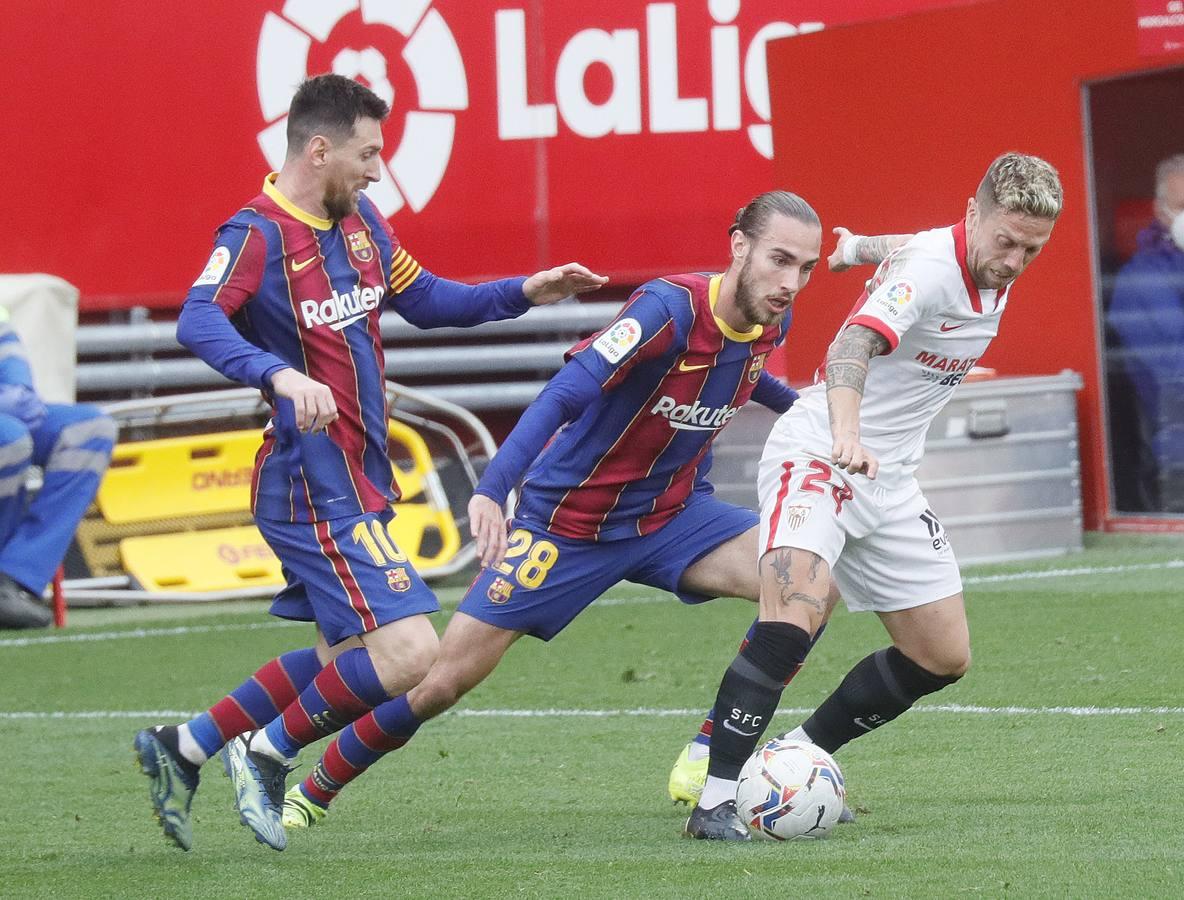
790 790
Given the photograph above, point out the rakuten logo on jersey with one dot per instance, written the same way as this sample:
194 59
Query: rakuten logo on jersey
693 417
341 309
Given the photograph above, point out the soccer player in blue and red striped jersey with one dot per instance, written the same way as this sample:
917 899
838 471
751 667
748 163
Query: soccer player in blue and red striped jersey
289 302
620 492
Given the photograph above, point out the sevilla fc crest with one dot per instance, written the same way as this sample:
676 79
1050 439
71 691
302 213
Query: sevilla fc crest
795 516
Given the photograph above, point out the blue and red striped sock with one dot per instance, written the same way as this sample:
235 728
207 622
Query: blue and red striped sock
345 689
703 738
388 727
256 701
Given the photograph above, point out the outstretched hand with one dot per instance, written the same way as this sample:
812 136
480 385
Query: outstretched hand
835 262
487 521
551 285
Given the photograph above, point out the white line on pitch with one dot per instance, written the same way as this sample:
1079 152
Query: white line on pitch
1066 573
640 712
140 633
84 636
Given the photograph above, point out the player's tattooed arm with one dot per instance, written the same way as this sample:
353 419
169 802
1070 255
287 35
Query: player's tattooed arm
850 354
859 249
874 250
847 363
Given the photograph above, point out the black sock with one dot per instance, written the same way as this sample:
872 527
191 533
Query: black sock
749 693
876 691
167 735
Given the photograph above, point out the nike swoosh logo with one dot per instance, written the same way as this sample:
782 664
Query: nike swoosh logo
683 367
728 725
946 326
297 266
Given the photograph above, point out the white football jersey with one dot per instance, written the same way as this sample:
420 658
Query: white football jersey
923 300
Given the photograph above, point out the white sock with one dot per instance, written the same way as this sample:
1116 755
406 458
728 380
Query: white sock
717 791
798 734
697 751
260 743
189 748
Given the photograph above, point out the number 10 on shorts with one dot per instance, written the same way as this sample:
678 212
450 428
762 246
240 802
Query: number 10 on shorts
377 542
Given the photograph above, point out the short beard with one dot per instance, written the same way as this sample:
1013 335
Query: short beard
747 304
340 203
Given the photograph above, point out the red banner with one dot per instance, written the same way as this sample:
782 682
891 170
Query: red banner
1161 26
623 133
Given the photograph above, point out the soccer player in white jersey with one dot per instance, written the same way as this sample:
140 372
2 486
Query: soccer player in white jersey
838 493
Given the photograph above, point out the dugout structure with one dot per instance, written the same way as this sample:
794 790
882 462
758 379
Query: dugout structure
889 126
172 518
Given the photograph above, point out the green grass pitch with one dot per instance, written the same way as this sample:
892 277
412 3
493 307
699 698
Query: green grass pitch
1051 770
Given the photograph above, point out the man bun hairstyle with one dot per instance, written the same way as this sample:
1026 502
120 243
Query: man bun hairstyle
330 105
753 217
1018 183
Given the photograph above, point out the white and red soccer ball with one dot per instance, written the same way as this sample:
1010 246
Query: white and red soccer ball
790 790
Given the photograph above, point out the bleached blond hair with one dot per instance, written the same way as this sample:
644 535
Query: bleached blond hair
1016 182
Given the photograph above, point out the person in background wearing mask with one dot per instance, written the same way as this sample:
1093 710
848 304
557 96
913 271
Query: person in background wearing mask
1146 317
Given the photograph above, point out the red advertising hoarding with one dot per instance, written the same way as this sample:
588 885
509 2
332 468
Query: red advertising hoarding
622 133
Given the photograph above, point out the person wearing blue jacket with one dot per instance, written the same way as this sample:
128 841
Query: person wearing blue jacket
72 444
1146 318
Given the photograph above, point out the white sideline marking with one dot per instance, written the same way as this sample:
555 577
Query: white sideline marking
604 601
641 712
143 633
1065 573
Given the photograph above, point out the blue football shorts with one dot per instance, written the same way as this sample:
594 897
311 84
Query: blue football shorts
546 580
347 574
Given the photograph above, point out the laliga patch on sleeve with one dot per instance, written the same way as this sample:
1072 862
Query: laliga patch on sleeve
215 268
894 296
615 343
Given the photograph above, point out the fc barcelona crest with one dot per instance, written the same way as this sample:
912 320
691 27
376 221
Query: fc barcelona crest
499 592
398 579
755 367
360 246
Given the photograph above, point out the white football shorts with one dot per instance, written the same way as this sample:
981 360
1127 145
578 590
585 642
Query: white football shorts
885 547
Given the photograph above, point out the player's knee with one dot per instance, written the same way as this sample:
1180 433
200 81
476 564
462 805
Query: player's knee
419 661
402 664
926 675
947 662
955 665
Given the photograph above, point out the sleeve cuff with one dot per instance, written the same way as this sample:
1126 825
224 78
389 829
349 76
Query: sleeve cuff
880 328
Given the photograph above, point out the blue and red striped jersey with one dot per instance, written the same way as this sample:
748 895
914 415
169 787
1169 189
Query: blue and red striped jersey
284 288
672 375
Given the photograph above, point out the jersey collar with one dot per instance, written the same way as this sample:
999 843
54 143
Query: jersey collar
729 332
971 288
976 302
270 190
